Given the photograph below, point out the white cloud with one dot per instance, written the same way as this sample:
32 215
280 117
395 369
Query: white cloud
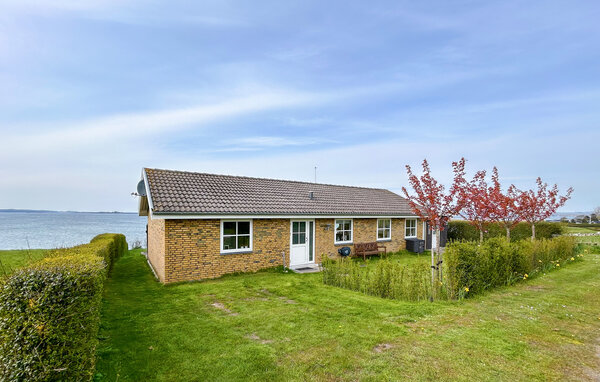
142 125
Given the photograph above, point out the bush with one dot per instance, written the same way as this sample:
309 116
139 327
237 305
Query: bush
462 230
387 279
50 312
475 268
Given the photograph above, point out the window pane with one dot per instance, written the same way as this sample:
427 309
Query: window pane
339 236
347 225
302 226
346 236
228 228
338 225
301 238
294 238
295 227
380 234
229 242
387 223
243 242
388 233
379 223
243 228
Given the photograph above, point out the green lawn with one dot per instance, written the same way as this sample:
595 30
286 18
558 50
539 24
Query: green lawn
568 229
13 259
275 326
584 239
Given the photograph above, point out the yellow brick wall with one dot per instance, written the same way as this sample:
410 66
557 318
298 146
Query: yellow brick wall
156 246
364 230
193 253
189 249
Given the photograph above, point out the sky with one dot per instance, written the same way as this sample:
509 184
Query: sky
91 92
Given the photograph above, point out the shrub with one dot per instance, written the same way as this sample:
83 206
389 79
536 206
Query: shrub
50 312
462 230
499 262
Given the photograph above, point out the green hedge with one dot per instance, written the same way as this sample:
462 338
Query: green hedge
462 230
50 312
473 268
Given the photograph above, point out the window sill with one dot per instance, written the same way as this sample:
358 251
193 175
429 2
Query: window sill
236 252
343 243
383 240
410 237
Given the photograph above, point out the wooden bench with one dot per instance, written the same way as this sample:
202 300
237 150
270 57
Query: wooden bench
368 249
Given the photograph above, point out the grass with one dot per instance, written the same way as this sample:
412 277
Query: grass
404 257
13 259
569 229
593 240
283 326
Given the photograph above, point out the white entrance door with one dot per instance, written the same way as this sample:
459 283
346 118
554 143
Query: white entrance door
301 242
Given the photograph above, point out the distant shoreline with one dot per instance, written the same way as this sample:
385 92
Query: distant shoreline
51 211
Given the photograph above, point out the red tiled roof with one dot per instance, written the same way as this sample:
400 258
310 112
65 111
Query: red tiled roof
179 192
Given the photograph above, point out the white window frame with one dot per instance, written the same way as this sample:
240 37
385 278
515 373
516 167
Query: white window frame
406 228
335 231
383 229
236 250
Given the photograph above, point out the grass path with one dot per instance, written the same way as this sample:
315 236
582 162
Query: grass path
275 326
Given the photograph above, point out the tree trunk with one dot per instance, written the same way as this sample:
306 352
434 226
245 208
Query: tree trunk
480 236
438 241
507 233
432 275
532 231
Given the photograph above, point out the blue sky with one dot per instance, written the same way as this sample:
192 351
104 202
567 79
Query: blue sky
94 91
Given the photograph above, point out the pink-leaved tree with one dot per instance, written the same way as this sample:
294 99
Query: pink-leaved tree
478 207
507 209
542 203
432 203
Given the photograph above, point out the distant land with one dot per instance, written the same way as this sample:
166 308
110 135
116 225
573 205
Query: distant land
74 212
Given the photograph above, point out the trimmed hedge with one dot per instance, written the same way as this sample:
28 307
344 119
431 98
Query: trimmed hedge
474 268
462 230
50 312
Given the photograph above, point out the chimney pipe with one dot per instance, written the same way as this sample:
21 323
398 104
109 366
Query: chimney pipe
311 195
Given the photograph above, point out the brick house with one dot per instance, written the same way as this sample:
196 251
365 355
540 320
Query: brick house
203 226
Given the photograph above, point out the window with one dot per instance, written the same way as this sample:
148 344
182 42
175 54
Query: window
411 228
384 229
343 231
298 232
236 236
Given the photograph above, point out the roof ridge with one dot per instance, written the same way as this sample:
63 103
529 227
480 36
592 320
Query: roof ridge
280 180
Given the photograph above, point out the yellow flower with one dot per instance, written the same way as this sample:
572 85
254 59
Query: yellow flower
466 289
572 258
540 261
525 275
557 264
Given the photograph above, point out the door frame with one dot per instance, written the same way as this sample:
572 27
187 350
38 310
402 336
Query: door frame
307 238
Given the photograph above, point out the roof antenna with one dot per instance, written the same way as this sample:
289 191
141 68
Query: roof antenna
315 174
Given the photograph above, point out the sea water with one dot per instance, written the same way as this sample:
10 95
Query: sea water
22 230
